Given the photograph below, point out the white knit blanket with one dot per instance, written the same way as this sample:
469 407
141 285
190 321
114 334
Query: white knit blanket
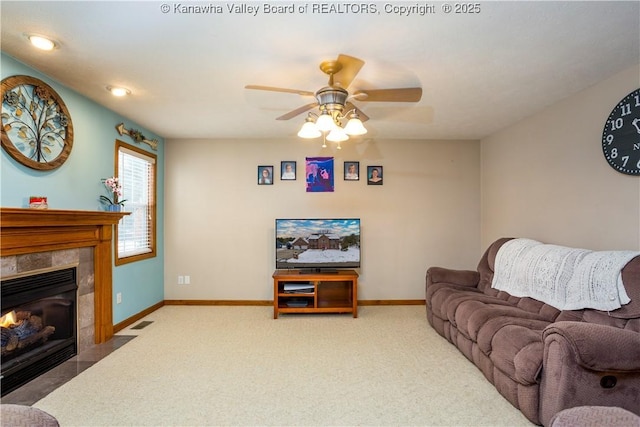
565 278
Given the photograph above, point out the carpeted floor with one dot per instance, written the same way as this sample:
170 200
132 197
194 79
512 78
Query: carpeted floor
214 366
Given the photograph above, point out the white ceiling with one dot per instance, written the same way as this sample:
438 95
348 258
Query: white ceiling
186 71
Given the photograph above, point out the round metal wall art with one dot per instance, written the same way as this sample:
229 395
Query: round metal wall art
36 126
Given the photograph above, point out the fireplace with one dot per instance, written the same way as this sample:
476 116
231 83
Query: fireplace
35 232
39 324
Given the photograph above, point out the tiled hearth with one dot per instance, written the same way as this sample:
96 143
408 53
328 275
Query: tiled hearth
38 388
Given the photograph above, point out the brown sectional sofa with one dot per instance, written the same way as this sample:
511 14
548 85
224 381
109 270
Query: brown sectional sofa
541 359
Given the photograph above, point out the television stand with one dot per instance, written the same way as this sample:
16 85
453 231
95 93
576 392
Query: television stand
295 291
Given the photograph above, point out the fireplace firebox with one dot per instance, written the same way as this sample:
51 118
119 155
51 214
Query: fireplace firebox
38 325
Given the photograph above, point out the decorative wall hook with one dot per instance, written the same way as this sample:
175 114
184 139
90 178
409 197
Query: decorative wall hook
137 136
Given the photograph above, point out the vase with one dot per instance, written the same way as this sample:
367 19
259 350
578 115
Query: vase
114 208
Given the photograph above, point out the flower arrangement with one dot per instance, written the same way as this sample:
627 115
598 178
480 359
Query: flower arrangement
113 186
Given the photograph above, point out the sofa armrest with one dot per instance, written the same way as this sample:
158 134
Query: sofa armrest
598 347
456 277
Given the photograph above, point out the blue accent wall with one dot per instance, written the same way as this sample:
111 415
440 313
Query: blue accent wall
77 184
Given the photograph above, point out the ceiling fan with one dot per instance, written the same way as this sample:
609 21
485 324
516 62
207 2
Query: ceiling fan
335 104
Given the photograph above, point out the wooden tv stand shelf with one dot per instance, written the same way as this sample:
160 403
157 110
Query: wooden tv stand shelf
300 292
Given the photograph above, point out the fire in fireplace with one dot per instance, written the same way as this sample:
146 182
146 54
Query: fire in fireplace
38 325
21 330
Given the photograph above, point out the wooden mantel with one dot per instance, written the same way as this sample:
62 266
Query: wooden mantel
24 231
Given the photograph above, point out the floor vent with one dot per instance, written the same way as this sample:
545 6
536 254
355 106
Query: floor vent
142 324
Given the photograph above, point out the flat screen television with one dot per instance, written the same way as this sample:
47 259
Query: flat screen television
317 244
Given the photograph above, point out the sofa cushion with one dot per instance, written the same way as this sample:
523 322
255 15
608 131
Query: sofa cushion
490 328
471 314
517 352
458 307
441 295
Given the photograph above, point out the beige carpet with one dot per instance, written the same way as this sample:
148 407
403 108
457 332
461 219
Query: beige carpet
219 366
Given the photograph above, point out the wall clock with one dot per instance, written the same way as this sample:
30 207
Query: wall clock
621 135
36 125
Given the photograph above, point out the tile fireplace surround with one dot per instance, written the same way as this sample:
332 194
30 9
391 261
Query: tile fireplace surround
33 241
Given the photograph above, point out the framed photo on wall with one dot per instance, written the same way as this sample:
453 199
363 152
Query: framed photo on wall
265 175
351 171
374 175
288 170
319 174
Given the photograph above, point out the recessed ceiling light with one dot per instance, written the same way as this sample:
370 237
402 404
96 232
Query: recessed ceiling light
118 91
42 42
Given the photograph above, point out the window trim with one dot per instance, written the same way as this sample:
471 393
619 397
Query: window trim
152 238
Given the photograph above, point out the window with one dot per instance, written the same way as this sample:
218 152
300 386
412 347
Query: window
136 232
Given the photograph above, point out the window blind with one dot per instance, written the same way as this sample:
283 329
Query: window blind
135 231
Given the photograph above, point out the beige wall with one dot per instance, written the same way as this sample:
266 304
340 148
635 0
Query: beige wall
546 177
219 224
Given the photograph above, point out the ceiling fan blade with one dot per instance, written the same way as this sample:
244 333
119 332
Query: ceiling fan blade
350 67
410 94
363 117
297 111
280 89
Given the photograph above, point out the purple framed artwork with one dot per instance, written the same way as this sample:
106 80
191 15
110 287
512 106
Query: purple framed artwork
319 174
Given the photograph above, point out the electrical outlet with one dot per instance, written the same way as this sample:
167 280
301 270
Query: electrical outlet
187 280
118 298
180 280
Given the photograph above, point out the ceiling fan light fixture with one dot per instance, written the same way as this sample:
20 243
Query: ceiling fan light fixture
334 102
335 97
337 134
309 130
325 122
354 126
